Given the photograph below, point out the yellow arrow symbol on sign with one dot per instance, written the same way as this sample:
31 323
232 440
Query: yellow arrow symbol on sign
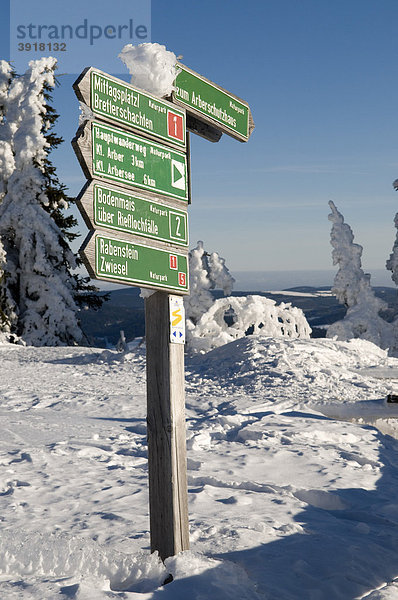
178 317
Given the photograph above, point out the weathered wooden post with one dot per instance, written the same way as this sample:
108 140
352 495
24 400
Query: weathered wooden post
134 150
135 154
168 497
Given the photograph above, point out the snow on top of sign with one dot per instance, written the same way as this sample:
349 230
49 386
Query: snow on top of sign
153 68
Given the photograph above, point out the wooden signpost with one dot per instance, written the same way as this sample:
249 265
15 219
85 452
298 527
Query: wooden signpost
107 206
168 492
117 102
123 260
211 110
113 154
135 155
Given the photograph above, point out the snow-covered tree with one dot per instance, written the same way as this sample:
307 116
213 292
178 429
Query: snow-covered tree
212 323
231 318
347 255
352 288
6 156
206 272
392 265
38 293
392 262
6 168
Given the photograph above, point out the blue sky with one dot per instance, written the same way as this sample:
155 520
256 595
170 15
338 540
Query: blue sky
321 79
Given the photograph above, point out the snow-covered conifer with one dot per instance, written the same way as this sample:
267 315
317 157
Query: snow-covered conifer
347 255
392 262
206 272
392 265
37 290
6 156
352 288
6 168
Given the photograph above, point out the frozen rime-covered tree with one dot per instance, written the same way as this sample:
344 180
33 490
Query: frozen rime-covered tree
392 265
6 168
151 66
211 323
352 288
347 255
6 156
235 317
206 272
37 290
392 262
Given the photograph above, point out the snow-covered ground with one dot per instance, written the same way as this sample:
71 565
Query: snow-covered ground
293 484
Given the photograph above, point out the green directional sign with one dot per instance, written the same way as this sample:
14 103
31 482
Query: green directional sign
135 161
130 213
115 100
217 106
136 264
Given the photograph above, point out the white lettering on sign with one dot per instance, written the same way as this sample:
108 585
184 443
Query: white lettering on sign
238 109
125 96
110 197
157 276
157 107
111 138
159 211
110 249
177 319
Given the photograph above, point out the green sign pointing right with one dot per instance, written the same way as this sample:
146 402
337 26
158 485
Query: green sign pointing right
209 102
112 154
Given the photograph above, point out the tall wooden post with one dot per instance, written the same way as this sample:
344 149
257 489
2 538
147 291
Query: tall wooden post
120 256
168 495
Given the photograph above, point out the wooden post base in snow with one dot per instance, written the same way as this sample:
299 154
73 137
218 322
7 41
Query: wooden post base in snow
168 494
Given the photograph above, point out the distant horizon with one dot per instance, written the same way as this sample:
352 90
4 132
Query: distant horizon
266 281
279 280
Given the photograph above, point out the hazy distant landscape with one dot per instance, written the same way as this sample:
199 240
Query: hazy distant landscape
125 310
281 280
